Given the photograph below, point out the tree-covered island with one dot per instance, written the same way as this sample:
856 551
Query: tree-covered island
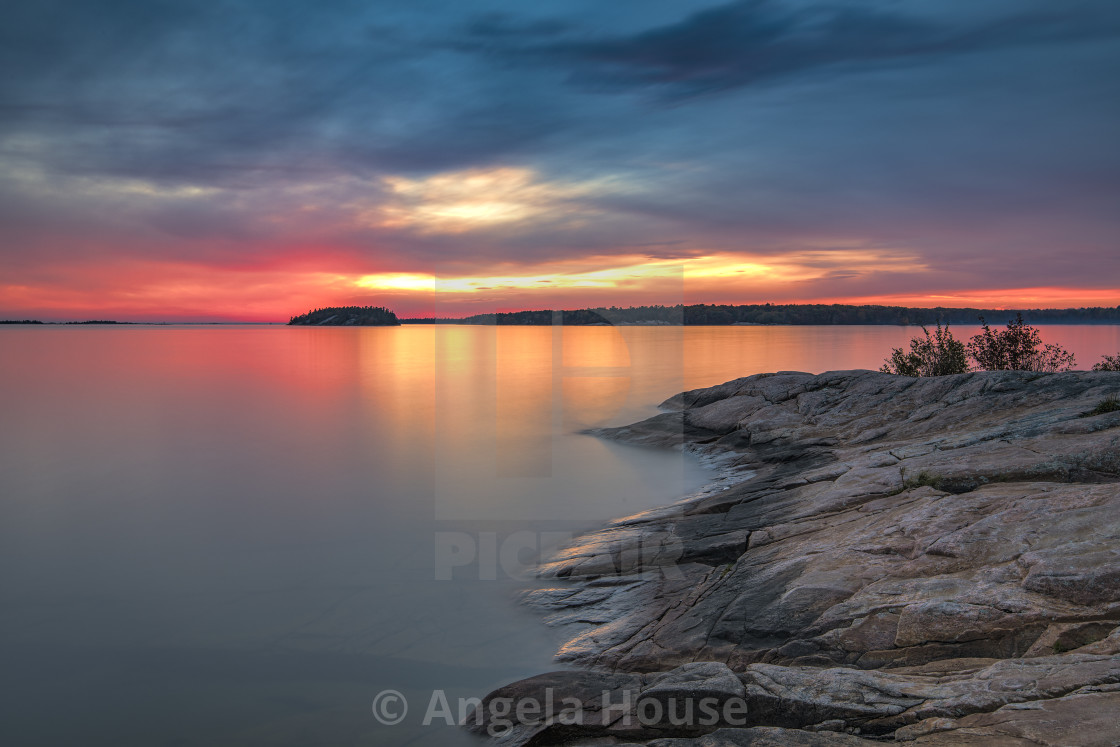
347 316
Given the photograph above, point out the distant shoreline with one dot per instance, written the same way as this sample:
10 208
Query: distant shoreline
695 315
460 323
723 315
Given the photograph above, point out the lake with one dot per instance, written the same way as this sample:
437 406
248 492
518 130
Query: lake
241 535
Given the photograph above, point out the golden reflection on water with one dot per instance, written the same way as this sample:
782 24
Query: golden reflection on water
477 403
592 400
489 400
523 393
596 375
595 347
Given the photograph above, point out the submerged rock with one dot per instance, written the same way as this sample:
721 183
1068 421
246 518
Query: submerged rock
931 560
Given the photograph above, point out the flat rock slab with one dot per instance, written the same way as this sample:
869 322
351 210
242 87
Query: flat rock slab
926 560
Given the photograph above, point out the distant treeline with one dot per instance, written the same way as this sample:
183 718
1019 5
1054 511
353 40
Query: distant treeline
713 314
36 321
347 316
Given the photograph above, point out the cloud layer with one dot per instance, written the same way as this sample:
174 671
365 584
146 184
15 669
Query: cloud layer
244 160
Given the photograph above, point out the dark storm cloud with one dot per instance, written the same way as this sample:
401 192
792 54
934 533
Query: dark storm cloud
244 93
753 41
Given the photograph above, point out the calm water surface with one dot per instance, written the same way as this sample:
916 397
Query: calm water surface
240 535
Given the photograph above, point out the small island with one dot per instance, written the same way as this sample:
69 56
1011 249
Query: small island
347 316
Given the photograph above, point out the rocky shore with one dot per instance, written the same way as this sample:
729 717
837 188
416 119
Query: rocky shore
932 561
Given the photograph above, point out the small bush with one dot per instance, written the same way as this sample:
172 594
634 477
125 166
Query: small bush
1108 363
1017 348
1108 404
923 478
939 354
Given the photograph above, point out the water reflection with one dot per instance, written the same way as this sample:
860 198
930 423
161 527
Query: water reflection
227 535
222 535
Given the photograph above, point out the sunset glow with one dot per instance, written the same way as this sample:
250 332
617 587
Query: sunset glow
458 202
158 291
560 157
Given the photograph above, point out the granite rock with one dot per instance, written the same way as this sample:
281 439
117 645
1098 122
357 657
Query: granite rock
923 560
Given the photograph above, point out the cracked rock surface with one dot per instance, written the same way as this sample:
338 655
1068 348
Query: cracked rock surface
933 561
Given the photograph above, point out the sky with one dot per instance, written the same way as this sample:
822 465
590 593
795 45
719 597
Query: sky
228 160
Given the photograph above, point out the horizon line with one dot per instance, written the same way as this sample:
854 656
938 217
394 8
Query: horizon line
452 319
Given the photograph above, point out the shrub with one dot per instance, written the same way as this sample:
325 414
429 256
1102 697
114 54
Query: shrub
1108 404
1017 348
939 354
1108 363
